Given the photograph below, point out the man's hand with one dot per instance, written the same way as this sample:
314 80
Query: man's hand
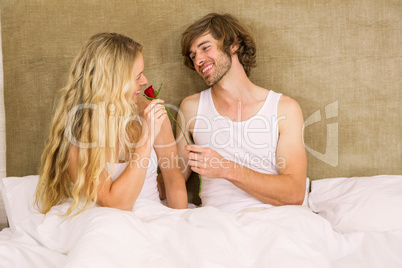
207 162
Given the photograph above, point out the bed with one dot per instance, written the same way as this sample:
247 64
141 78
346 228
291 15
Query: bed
348 222
341 60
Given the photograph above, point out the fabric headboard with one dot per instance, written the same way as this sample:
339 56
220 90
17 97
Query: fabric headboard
341 60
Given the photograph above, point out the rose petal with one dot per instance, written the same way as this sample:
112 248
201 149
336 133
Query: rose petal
150 92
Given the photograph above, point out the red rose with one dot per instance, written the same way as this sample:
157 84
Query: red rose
150 92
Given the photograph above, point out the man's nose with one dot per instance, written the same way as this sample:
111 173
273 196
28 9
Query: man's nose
199 59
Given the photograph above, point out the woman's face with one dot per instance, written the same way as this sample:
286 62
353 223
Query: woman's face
138 77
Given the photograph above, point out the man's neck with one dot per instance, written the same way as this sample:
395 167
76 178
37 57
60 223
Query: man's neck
235 86
235 96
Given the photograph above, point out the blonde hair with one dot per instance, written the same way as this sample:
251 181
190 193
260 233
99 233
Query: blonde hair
227 30
91 114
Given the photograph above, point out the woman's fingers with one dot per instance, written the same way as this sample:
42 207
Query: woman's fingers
153 104
153 116
160 111
154 112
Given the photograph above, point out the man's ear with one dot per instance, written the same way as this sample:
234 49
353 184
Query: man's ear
234 46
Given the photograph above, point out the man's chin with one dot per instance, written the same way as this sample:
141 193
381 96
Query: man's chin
209 81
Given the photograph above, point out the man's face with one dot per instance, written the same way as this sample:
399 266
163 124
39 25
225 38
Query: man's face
209 60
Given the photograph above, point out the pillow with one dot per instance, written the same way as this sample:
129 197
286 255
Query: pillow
19 196
3 215
359 203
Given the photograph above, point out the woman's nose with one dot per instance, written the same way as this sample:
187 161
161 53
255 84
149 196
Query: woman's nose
144 80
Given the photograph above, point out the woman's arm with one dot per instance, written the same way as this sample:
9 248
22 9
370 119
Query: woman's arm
175 185
124 191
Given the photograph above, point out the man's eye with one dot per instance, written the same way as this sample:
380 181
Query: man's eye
206 47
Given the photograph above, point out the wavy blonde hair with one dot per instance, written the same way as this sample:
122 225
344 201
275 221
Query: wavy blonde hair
92 114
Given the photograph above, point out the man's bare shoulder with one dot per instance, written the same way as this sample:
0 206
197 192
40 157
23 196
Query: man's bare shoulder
189 104
192 99
288 106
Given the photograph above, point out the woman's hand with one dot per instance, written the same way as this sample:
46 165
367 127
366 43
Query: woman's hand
152 118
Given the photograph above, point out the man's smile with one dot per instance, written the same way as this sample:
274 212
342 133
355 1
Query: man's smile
204 70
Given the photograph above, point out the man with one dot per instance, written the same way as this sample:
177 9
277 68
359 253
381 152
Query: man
248 141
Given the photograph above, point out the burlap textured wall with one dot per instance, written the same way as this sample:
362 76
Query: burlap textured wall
341 60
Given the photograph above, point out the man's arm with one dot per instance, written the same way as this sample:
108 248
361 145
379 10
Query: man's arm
186 118
286 188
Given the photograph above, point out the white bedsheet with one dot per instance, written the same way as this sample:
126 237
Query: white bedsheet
18 250
156 236
372 250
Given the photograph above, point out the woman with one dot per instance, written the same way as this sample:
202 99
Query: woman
104 141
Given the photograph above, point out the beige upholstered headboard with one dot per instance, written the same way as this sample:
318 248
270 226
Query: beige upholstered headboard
341 60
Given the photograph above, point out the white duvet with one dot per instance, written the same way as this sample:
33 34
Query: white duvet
156 236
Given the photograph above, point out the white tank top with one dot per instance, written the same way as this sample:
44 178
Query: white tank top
149 190
251 143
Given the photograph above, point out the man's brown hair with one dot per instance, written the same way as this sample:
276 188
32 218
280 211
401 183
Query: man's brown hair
227 30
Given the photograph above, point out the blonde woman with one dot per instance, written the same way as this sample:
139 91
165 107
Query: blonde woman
105 142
